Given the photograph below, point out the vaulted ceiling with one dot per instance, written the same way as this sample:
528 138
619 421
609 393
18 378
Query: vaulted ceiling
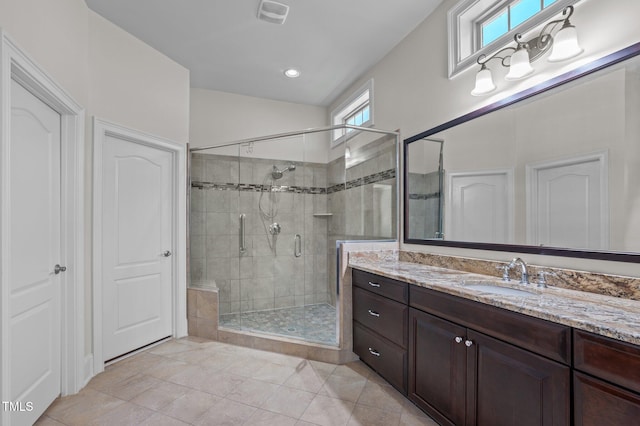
227 48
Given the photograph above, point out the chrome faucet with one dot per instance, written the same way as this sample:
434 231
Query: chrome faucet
524 278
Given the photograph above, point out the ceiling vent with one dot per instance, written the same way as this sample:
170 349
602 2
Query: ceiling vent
272 11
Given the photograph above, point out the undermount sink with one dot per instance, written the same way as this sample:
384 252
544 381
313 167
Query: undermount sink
488 286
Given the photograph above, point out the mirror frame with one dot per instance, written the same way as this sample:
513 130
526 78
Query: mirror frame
592 67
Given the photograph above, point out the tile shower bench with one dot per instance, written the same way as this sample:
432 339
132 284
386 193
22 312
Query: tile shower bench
466 357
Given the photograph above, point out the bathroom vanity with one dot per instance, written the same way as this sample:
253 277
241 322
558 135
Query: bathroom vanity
465 356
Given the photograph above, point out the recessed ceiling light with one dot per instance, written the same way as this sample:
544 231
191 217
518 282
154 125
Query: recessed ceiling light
292 73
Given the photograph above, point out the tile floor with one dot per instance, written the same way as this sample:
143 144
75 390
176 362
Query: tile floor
313 323
199 382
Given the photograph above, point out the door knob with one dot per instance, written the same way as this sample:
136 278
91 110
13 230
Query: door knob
166 253
57 269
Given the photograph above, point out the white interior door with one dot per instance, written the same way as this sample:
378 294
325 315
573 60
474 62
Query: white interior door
137 267
568 203
34 249
480 206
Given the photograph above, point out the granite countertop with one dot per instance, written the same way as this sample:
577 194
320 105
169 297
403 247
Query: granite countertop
609 316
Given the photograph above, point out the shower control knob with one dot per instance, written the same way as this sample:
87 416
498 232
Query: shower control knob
166 253
275 228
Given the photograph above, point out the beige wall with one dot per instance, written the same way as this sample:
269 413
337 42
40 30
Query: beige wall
135 85
113 75
413 92
219 117
54 34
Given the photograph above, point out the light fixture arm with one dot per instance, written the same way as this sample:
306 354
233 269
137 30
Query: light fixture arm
536 46
518 59
482 59
545 33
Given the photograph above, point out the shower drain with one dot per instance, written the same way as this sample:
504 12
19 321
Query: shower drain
291 329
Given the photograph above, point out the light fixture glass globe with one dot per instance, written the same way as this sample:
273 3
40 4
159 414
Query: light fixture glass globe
565 45
484 82
520 66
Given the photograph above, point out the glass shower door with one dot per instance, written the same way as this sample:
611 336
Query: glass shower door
259 233
272 267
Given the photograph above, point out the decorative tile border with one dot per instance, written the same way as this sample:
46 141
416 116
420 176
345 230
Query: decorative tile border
424 196
251 187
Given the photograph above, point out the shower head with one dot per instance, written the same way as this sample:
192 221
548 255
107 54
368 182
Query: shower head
277 174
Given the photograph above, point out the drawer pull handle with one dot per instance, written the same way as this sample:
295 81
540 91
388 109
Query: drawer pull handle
374 352
373 313
374 284
468 343
458 339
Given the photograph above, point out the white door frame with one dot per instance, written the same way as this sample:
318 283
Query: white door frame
17 65
101 130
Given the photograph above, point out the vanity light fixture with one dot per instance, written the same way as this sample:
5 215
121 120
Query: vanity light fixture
564 45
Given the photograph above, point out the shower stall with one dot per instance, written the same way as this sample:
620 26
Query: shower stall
267 215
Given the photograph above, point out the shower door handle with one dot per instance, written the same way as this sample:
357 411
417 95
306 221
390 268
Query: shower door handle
297 245
243 243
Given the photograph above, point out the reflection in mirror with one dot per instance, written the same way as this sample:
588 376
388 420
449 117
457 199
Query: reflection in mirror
424 188
369 193
560 169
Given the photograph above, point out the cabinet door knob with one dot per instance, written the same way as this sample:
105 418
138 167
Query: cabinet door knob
57 269
458 339
374 284
374 352
373 313
468 342
166 253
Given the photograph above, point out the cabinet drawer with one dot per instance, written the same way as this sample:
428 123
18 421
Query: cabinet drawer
382 315
388 359
609 359
537 335
396 290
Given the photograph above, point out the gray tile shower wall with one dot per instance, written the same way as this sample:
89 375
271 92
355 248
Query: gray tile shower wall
268 275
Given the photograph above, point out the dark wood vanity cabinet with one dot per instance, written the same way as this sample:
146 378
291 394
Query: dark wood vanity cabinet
380 326
606 381
469 363
438 367
463 377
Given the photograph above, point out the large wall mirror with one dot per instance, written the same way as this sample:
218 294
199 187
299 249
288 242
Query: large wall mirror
553 170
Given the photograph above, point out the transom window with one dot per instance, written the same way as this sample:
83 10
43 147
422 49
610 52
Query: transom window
357 110
508 17
360 116
479 27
